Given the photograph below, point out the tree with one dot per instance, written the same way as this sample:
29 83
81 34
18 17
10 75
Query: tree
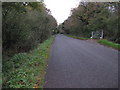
93 16
25 25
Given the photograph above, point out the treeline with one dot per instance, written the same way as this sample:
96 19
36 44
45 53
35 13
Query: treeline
24 26
94 16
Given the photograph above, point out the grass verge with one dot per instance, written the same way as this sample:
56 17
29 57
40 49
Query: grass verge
103 42
81 38
27 70
109 44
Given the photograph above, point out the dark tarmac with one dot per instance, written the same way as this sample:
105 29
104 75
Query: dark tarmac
77 63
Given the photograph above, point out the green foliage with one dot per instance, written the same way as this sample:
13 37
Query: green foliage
93 16
25 26
109 43
23 69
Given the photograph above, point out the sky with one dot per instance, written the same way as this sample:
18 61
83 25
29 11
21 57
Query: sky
60 9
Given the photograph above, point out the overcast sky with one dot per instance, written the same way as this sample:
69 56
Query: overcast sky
60 9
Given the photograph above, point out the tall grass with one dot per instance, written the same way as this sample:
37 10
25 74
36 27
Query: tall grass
27 70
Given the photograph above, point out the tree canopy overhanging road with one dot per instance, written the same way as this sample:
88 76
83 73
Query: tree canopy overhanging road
75 63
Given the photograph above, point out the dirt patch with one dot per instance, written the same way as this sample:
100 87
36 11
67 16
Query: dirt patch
94 41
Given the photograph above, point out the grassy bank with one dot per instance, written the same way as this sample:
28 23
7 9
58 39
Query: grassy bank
101 41
109 44
81 38
27 70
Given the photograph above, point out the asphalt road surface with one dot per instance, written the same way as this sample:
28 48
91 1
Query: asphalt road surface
76 63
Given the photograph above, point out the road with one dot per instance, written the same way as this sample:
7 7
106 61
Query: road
76 63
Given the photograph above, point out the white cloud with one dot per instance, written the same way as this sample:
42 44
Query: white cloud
60 9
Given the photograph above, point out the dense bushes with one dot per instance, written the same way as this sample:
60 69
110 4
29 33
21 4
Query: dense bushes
93 16
25 25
